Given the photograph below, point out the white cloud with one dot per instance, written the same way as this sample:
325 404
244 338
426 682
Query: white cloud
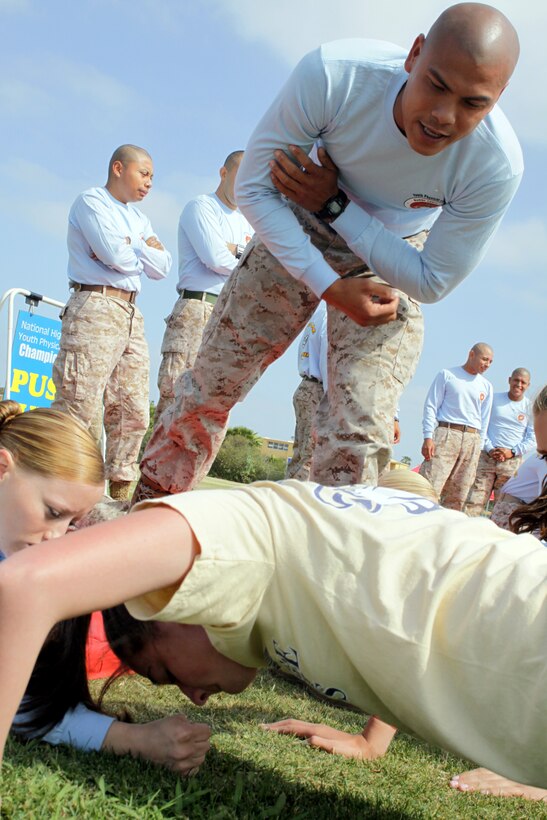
513 270
293 28
520 247
19 98
51 85
45 216
31 176
85 81
188 185
40 198
167 14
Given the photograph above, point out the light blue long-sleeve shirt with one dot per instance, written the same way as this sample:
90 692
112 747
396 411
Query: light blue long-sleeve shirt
342 95
458 397
511 425
205 226
98 252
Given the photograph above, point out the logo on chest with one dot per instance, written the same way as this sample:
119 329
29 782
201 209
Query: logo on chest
423 201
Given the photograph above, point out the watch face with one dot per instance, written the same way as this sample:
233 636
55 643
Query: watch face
333 207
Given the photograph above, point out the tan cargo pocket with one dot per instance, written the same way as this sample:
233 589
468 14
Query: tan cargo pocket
407 346
75 376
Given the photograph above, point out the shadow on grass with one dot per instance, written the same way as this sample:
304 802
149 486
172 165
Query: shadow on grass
226 787
248 773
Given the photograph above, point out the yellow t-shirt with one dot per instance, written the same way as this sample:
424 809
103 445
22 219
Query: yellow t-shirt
432 620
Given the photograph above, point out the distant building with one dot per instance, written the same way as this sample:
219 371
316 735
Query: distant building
398 465
279 448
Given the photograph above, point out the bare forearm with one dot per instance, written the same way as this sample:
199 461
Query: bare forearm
22 633
378 735
371 743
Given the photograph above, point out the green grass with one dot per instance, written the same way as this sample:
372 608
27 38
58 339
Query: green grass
247 774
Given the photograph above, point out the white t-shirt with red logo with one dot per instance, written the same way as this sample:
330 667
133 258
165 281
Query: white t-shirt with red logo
511 425
343 94
458 397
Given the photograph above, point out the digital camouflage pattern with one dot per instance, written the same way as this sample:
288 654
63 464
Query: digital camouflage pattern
305 401
504 506
490 477
452 469
103 363
181 341
260 311
368 369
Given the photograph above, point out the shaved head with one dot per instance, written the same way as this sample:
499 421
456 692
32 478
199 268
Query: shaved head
233 159
228 172
479 359
481 348
521 371
455 76
127 153
130 173
519 382
482 32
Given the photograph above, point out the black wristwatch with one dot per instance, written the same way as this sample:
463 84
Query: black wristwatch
239 251
333 207
513 453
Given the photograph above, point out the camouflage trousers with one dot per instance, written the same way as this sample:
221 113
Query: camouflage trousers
452 469
181 341
490 477
504 506
305 401
259 313
103 366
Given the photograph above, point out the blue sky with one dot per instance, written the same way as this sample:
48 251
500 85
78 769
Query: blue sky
189 81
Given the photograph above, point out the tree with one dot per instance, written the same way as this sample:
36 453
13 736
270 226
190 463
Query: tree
270 468
406 460
239 459
236 459
246 433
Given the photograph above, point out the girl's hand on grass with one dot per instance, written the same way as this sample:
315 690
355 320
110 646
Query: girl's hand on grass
173 742
325 737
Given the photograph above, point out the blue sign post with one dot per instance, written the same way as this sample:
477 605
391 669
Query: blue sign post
35 346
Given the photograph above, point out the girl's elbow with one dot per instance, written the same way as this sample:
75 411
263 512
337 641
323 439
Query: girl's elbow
22 586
